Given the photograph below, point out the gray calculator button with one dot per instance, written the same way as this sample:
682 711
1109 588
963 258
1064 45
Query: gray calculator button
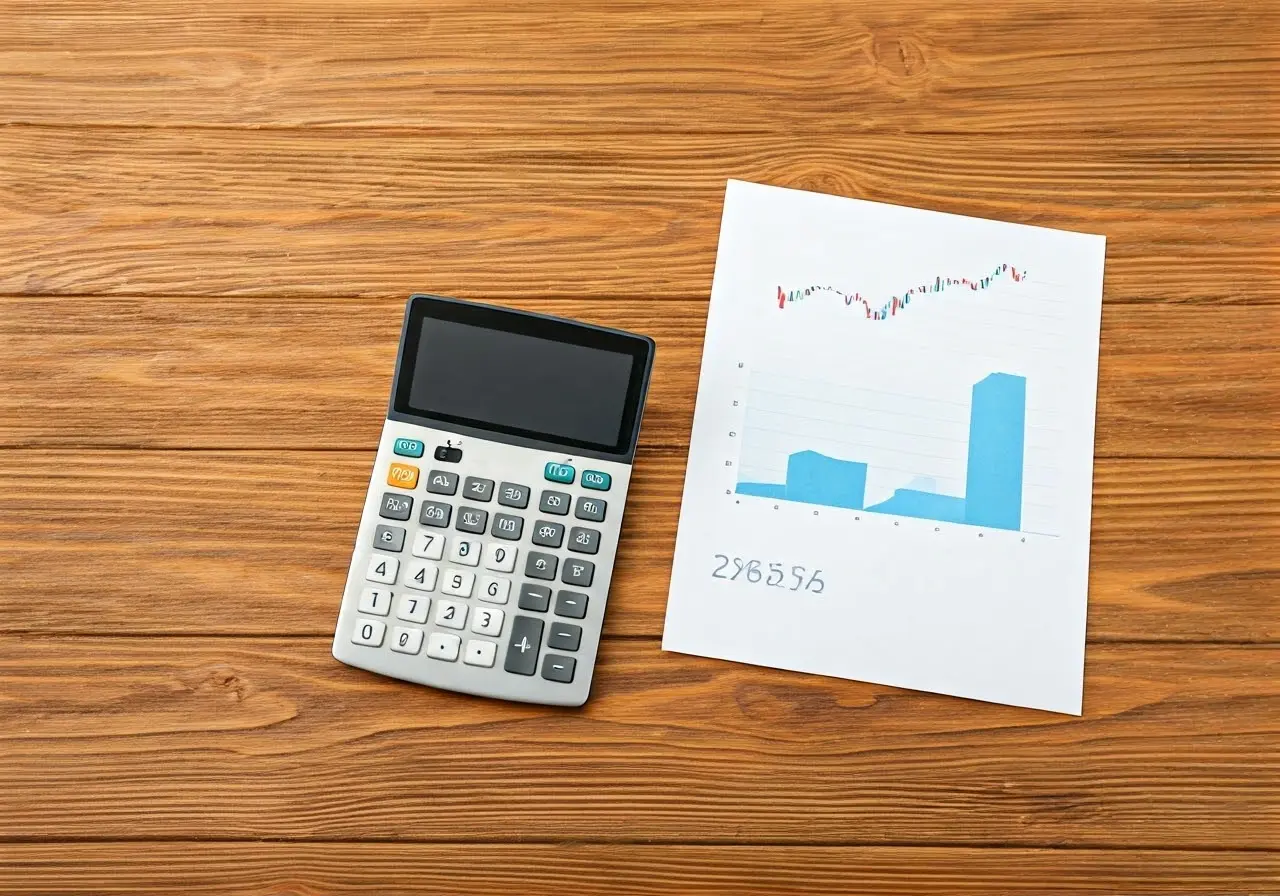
578 572
388 538
507 526
558 668
555 502
534 597
476 489
589 509
435 514
540 566
584 541
571 604
395 507
564 636
442 482
471 519
548 534
512 495
522 649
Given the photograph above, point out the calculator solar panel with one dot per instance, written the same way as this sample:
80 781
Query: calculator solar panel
486 548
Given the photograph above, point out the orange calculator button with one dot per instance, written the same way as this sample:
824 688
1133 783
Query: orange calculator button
402 476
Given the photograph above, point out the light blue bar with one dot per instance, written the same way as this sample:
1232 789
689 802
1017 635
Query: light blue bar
922 505
814 478
762 489
997 435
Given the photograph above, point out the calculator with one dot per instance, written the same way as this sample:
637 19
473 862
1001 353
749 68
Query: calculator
486 548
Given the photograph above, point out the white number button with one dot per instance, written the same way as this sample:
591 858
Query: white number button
480 653
406 640
486 622
383 569
458 583
450 614
495 590
413 608
500 557
368 632
465 552
442 646
422 576
375 601
428 546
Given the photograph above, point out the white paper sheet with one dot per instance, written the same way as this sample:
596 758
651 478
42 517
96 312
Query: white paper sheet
890 475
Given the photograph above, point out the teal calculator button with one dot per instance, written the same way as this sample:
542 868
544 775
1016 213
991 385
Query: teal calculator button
597 480
560 472
409 447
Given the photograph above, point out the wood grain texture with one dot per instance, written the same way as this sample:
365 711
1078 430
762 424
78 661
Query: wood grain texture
259 542
1178 67
508 216
192 737
384 869
315 373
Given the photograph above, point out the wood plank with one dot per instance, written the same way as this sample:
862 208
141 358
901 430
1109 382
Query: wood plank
226 373
264 738
197 867
259 542
1177 67
325 213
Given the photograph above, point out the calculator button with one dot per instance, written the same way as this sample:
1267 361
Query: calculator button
435 514
548 534
534 597
485 621
507 526
540 566
578 572
501 557
443 646
395 507
440 482
421 576
495 590
480 653
512 495
465 552
472 520
388 538
406 640
402 475
448 454
384 569
458 583
589 509
428 545
413 608
558 668
559 472
564 636
451 614
556 503
571 604
477 489
596 480
376 601
522 649
369 632
408 447
584 541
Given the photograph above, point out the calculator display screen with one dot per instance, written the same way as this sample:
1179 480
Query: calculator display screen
522 374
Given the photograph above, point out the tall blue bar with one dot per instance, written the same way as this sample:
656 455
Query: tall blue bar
814 478
997 436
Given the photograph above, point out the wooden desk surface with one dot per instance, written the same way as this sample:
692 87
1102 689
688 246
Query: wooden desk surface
210 215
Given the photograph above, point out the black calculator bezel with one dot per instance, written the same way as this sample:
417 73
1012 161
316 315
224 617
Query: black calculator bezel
545 326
